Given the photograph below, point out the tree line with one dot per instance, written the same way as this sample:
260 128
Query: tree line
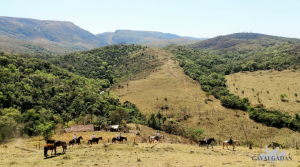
209 69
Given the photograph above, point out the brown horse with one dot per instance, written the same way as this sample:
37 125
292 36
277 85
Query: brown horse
49 147
72 142
120 140
63 144
94 140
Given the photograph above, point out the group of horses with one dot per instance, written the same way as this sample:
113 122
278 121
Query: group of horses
225 143
52 144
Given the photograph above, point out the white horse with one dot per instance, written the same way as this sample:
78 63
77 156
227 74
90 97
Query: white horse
153 138
234 143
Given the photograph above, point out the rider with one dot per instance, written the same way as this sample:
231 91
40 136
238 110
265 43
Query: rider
74 138
156 135
230 140
119 136
93 136
205 139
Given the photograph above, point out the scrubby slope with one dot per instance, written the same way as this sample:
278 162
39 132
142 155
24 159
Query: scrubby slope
169 81
274 82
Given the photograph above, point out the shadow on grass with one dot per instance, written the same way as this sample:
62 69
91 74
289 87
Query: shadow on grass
52 156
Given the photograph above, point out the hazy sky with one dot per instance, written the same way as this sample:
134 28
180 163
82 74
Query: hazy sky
197 18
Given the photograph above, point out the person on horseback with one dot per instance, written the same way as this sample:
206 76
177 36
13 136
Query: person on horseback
93 136
205 139
74 138
156 135
119 136
230 140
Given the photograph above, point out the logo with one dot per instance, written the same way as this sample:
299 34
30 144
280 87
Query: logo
272 156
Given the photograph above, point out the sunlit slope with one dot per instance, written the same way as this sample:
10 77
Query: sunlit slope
149 91
276 83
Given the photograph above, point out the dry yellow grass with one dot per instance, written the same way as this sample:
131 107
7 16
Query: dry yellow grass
143 154
169 81
284 82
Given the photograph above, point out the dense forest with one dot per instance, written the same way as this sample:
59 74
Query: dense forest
113 62
35 96
210 69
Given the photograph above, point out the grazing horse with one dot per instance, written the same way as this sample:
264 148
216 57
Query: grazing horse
153 138
208 142
120 140
49 147
234 143
63 144
72 142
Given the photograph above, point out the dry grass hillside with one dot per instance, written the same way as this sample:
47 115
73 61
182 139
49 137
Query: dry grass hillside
170 152
169 81
284 82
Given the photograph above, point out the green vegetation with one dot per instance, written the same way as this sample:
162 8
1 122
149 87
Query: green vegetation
113 62
35 96
171 126
210 69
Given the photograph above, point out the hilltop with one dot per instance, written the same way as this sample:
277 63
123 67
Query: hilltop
31 36
44 31
240 42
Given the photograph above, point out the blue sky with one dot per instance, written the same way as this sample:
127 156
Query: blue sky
197 18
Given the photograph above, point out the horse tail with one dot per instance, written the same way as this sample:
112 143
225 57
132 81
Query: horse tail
45 151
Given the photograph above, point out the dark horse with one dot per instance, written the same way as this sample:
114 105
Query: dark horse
49 147
72 142
94 140
201 142
120 140
58 143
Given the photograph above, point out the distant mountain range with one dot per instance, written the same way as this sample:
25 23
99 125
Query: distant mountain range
23 35
138 37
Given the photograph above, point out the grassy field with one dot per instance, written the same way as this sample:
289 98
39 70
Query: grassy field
169 81
284 82
170 152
